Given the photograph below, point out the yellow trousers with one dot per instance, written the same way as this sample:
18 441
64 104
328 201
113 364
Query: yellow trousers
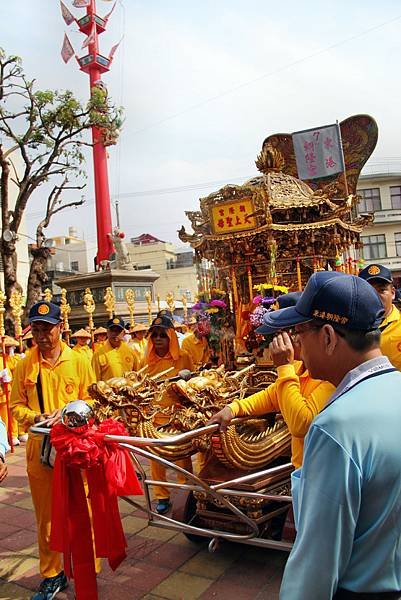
41 481
158 472
16 428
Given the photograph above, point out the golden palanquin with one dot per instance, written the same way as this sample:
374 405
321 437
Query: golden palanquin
277 228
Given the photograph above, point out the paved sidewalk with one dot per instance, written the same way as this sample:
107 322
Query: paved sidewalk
161 564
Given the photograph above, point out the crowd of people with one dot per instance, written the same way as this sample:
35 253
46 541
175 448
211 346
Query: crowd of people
337 352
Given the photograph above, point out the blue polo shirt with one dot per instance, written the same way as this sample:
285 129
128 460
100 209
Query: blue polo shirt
347 495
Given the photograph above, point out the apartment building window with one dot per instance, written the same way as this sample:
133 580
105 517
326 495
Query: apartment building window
74 265
397 238
374 246
395 193
370 200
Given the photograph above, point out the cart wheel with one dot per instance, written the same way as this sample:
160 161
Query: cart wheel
189 514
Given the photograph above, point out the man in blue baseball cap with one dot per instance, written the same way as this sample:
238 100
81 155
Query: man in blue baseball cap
51 376
115 357
381 279
347 495
294 394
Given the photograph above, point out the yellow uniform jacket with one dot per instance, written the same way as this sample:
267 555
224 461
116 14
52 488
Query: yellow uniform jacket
198 349
390 343
184 361
110 362
139 346
63 382
294 394
84 351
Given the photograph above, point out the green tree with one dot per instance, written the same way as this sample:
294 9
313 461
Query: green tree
42 135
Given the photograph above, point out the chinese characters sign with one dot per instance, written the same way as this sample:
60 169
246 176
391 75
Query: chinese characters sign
318 152
233 216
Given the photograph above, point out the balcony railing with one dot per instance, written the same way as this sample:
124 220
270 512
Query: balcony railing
391 215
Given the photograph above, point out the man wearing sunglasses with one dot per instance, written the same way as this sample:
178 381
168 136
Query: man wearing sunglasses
163 352
347 495
294 394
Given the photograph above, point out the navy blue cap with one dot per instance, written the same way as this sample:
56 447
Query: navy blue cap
284 301
290 299
163 321
334 298
165 312
376 272
45 311
115 322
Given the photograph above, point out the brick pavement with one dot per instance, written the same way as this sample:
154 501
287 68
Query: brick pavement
161 564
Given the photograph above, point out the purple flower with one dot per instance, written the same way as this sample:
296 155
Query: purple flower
256 317
218 303
199 306
268 301
257 300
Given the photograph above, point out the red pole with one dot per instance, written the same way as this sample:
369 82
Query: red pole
102 194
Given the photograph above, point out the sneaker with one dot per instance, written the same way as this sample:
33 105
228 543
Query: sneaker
163 506
16 442
23 438
50 587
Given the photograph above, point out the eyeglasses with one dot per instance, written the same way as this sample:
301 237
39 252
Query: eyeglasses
158 335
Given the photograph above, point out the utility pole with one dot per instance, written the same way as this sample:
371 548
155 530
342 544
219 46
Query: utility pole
95 64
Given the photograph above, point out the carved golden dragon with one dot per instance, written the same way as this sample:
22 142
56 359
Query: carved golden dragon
153 409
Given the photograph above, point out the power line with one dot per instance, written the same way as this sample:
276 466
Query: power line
266 75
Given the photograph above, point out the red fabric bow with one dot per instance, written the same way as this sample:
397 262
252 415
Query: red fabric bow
109 473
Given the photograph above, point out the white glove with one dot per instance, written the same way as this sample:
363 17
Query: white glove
5 376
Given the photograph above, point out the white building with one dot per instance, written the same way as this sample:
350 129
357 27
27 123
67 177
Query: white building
381 195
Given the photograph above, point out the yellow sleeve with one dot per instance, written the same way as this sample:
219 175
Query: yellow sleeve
298 410
19 398
137 359
96 365
86 378
258 404
187 362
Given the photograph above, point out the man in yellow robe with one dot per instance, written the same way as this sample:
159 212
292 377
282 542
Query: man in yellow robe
381 279
100 338
82 337
115 357
164 353
138 339
45 381
196 345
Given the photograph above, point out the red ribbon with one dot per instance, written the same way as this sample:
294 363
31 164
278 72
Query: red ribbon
109 473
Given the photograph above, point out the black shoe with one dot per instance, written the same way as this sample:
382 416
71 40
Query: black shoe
50 587
163 506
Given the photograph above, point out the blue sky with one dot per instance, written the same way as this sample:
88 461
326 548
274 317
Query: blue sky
203 83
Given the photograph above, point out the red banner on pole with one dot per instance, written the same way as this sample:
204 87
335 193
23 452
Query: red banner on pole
67 51
67 15
91 37
81 3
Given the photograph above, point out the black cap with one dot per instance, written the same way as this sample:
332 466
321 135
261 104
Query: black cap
45 311
376 271
335 298
166 313
162 321
115 322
